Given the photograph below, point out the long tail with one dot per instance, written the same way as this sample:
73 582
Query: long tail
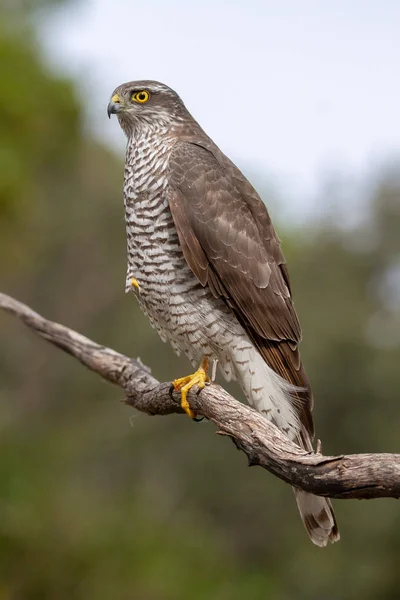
282 403
318 518
316 512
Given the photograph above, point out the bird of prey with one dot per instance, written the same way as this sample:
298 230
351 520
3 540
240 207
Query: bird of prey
206 267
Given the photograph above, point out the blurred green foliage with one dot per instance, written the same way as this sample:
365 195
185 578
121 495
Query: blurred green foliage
99 502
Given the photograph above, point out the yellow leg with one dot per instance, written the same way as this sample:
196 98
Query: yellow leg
135 283
186 383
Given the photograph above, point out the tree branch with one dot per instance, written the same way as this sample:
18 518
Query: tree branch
351 476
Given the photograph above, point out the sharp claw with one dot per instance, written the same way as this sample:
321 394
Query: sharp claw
200 378
198 419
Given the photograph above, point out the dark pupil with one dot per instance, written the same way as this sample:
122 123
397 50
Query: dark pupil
142 96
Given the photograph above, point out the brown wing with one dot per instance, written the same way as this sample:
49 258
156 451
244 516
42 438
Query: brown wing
230 244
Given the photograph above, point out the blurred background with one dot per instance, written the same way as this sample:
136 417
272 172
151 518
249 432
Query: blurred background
97 501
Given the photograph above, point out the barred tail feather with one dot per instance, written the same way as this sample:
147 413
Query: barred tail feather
316 512
318 517
276 398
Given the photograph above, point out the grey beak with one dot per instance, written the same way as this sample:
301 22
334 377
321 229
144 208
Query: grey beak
113 108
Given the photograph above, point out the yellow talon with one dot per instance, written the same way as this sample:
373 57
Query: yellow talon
199 378
135 283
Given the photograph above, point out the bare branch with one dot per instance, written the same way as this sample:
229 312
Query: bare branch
351 476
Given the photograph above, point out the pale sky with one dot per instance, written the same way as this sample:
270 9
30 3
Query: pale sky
290 88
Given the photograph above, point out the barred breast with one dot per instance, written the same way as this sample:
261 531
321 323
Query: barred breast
182 311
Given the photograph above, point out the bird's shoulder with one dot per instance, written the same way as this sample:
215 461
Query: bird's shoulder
216 188
228 238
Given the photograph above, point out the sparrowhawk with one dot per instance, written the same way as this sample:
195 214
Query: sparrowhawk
206 267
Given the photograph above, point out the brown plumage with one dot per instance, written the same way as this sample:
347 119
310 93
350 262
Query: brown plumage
231 261
229 242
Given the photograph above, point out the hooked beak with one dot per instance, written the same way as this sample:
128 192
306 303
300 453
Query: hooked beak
114 106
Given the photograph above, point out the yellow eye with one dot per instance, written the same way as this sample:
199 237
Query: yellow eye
141 96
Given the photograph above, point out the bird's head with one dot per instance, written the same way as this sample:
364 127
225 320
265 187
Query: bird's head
145 103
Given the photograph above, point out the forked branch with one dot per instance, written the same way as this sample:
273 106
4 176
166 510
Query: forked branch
345 476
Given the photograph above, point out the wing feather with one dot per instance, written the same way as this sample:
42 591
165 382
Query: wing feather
230 244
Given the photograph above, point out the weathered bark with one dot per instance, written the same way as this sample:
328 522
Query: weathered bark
345 476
